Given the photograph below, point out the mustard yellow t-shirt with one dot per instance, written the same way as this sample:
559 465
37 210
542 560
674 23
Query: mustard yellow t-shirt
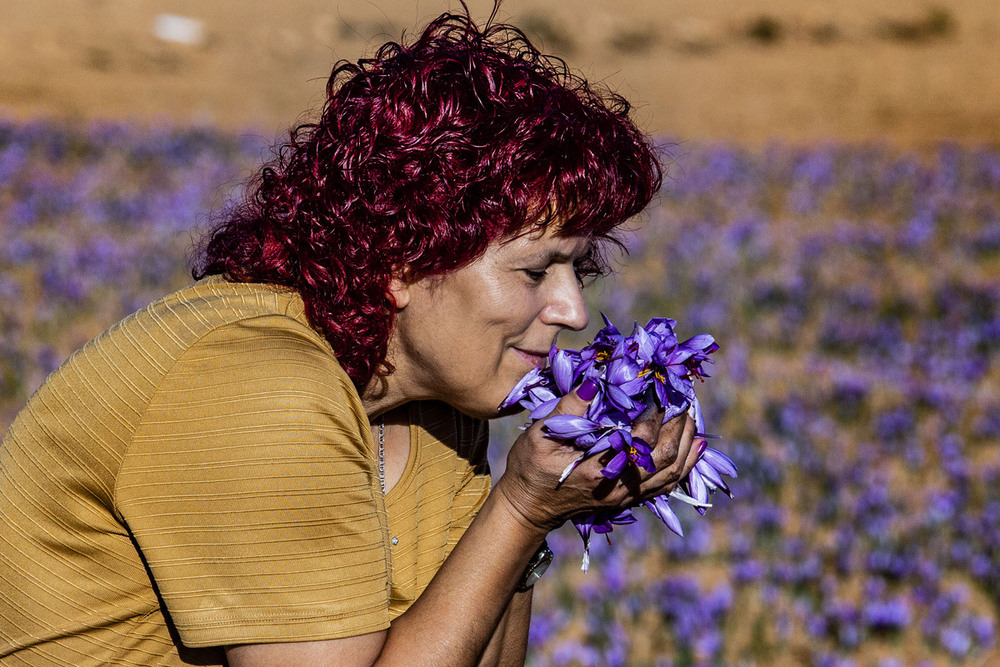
203 474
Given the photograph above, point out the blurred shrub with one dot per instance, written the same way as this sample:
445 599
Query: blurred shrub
936 23
825 33
634 42
546 34
766 30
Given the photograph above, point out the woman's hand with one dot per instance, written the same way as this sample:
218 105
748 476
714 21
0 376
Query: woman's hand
530 484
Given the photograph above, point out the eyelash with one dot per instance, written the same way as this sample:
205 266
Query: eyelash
536 276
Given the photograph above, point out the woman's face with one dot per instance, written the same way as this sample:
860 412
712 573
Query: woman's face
468 336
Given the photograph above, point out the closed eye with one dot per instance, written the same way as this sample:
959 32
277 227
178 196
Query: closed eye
536 275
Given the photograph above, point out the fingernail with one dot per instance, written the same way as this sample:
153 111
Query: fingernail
587 390
701 447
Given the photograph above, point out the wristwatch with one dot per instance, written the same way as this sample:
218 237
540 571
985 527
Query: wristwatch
536 568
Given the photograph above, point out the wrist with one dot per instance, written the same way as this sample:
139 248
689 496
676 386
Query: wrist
511 502
537 566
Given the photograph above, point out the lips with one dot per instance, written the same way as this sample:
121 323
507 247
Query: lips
534 358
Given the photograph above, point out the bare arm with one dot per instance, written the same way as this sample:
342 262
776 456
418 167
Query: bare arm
457 615
509 646
451 622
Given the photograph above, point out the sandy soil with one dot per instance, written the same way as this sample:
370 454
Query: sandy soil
912 73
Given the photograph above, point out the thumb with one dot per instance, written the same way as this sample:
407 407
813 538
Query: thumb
577 401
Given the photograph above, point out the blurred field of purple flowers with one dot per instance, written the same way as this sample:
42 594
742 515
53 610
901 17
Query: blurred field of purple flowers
855 293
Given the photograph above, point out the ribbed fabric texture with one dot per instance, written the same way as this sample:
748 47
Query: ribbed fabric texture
204 474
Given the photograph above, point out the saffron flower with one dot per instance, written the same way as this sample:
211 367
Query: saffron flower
647 370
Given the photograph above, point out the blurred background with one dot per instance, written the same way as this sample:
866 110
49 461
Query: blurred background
831 214
745 70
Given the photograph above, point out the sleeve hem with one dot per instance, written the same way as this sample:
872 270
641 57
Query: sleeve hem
280 630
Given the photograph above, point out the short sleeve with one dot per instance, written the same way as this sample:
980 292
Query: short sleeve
251 491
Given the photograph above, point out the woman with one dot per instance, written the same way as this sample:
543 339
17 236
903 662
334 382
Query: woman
285 463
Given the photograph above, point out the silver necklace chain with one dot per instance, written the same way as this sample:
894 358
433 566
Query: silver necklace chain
381 453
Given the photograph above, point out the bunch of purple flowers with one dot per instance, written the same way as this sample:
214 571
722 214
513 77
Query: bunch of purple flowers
648 370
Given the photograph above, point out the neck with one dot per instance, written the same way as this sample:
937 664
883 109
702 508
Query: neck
378 401
386 392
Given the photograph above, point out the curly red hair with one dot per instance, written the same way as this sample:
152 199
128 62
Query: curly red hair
423 156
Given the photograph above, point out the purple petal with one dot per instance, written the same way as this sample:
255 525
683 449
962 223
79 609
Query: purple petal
561 364
623 370
615 466
711 475
645 345
661 393
643 457
699 490
540 394
699 342
569 426
719 461
544 409
619 397
641 445
624 519
603 442
531 378
584 526
680 384
671 411
661 508
636 386
679 355
600 445
662 328
603 527
619 439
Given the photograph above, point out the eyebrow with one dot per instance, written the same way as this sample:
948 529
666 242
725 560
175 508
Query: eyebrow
547 257
559 256
552 255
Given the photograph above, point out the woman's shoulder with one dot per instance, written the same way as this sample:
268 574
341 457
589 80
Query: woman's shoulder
213 301
214 308
212 327
257 327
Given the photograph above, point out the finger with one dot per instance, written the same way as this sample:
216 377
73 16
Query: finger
669 474
678 472
687 444
572 406
648 426
633 484
697 449
576 402
673 440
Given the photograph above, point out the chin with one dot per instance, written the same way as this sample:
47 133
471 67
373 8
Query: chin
479 412
512 410
485 406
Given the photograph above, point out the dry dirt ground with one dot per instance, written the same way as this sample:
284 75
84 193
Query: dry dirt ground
911 73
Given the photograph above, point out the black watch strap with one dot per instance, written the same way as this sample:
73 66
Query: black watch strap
536 567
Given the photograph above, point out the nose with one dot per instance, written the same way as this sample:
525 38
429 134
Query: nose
566 307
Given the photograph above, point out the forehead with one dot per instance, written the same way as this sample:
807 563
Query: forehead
544 241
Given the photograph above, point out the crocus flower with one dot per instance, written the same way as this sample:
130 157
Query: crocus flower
647 370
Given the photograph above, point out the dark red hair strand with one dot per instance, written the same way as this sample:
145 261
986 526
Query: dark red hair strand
424 155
